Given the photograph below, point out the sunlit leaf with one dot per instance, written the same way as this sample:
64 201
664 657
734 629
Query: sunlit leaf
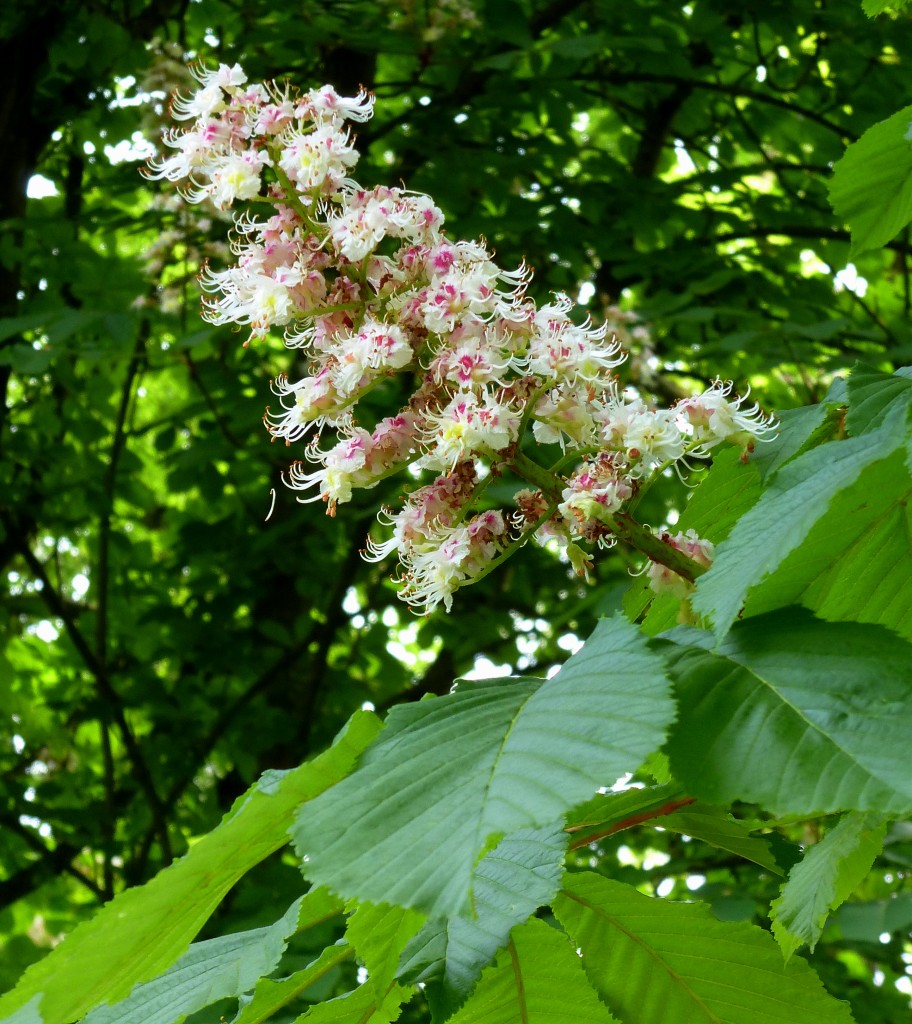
652 960
825 878
538 979
871 187
449 777
145 930
208 971
799 495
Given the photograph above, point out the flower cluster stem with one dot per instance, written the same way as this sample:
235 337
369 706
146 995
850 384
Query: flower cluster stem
621 524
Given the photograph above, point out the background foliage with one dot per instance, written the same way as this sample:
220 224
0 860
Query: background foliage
163 645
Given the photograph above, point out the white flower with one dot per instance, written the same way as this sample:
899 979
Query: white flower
325 104
235 177
376 346
563 413
560 350
713 417
647 438
596 488
317 160
450 558
306 405
469 425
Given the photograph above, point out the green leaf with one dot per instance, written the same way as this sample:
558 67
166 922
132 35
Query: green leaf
450 776
799 430
604 813
717 827
270 996
798 495
538 979
874 397
652 960
144 930
801 716
871 187
379 933
866 922
367 1004
853 563
512 881
875 7
10 326
825 878
208 971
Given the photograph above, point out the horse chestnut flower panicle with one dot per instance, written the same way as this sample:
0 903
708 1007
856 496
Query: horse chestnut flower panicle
367 286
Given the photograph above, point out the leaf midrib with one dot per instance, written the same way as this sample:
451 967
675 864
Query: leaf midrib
653 953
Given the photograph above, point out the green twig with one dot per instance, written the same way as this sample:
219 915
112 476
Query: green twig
621 524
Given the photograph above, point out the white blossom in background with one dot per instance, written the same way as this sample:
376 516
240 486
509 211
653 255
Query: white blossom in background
366 285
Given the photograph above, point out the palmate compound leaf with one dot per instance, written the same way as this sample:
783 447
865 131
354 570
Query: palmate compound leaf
449 777
800 716
144 930
825 878
871 187
211 970
653 960
799 496
537 979
513 880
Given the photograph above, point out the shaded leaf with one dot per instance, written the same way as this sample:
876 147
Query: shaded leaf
520 875
270 996
379 933
367 1004
866 922
715 826
801 716
610 812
